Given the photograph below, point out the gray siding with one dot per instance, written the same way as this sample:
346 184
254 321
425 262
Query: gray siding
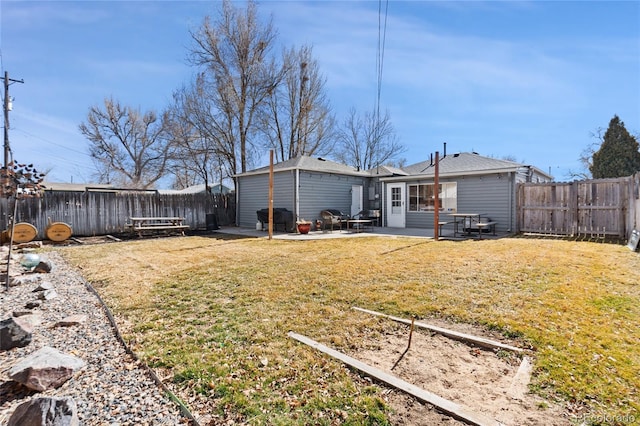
253 195
492 195
317 191
320 191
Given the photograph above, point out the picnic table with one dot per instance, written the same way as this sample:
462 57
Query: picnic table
154 224
471 221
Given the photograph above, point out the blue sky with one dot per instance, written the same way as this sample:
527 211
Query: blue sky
527 80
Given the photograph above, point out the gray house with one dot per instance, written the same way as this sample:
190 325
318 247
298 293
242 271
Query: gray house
468 183
303 185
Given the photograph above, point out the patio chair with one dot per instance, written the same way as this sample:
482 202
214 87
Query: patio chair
332 218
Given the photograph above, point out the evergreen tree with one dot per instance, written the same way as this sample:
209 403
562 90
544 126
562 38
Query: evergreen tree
619 154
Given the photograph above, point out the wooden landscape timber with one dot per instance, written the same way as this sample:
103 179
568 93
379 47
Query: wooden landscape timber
480 341
520 380
451 408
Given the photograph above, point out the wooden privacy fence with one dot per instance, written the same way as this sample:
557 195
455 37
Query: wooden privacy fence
92 213
599 207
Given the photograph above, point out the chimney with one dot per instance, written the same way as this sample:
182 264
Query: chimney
431 159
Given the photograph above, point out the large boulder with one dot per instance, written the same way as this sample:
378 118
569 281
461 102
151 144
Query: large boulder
46 368
46 412
15 333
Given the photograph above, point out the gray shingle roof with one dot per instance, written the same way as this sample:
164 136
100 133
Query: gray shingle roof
462 163
387 171
452 164
310 164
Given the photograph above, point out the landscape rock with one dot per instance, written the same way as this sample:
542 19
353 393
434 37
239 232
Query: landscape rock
33 305
72 320
45 369
46 411
48 294
45 285
15 333
24 279
20 313
43 267
33 319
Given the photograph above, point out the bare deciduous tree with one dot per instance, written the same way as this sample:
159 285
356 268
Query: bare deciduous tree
298 119
586 159
368 140
128 147
196 158
237 77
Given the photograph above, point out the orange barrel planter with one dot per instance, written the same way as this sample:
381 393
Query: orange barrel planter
58 231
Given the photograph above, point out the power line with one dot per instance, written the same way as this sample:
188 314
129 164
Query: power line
382 35
17 129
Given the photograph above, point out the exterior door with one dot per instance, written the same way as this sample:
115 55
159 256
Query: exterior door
395 205
356 199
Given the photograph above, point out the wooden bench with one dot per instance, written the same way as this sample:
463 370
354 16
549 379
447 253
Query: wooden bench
441 224
490 226
156 224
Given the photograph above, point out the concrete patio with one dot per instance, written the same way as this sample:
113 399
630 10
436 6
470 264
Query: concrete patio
378 231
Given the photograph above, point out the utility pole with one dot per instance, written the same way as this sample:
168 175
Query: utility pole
7 108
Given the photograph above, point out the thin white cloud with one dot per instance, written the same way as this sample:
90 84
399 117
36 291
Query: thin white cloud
28 118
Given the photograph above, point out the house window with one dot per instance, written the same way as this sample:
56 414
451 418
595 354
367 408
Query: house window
422 198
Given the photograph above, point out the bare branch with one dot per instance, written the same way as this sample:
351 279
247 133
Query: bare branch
368 141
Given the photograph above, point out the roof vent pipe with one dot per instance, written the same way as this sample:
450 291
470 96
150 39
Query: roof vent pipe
444 154
431 159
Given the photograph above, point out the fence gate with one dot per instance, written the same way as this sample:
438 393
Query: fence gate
600 207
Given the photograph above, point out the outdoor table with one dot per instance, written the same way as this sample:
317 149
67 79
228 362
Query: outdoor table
358 225
140 224
462 218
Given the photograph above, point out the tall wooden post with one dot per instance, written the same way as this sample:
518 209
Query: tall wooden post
5 108
270 194
436 199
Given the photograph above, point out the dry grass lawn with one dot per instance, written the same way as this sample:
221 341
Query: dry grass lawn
212 315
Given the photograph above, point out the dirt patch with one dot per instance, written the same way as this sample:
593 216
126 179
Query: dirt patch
491 383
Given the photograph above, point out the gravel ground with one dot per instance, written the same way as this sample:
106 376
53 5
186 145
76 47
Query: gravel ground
113 388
